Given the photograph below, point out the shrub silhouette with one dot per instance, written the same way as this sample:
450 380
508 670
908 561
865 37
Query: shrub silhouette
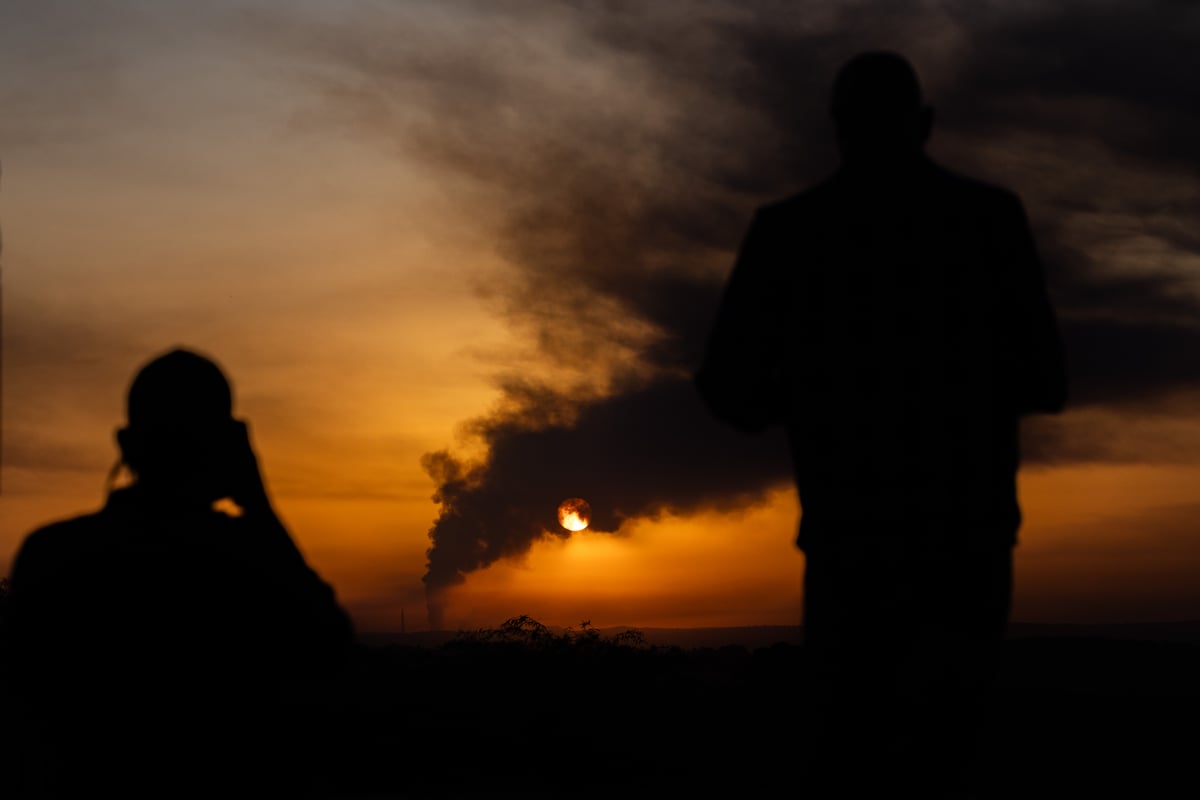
528 632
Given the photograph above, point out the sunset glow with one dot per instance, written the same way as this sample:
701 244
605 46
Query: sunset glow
436 248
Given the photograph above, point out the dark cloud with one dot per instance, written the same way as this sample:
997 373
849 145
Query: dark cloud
1104 71
1110 83
636 454
629 146
1129 339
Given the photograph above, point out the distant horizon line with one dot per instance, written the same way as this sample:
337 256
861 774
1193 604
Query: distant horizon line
754 636
766 625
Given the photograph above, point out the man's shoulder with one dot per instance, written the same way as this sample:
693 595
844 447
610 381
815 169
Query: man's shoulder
932 177
56 540
66 529
802 202
970 188
841 196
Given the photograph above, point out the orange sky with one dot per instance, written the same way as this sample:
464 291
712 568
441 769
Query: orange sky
177 176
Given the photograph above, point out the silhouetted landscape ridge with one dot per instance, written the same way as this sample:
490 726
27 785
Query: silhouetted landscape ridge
527 710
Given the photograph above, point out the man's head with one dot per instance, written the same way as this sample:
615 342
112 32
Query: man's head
877 109
180 421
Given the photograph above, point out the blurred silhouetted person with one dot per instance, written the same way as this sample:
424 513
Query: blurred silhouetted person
894 320
155 636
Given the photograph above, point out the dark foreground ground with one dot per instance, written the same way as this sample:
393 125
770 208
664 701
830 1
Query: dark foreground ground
1074 716
525 712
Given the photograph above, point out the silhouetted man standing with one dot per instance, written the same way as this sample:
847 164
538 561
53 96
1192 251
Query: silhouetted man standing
894 320
154 635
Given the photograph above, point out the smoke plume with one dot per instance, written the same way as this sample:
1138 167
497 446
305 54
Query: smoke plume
630 144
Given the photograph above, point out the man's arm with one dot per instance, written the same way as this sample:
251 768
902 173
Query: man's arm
741 378
1040 366
318 630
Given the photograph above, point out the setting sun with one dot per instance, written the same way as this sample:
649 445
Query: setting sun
574 514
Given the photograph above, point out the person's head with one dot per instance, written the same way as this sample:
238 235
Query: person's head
179 421
877 108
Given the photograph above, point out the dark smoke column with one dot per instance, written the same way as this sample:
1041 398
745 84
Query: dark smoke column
639 453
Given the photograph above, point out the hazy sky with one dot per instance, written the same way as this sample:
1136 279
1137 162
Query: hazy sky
471 248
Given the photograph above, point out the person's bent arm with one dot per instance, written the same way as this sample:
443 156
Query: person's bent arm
318 630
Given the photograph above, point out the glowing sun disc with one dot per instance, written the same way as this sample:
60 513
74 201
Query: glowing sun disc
574 514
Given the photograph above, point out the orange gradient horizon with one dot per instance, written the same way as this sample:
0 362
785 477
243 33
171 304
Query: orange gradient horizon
320 215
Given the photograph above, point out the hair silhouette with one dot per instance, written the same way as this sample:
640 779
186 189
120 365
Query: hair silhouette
877 108
179 411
